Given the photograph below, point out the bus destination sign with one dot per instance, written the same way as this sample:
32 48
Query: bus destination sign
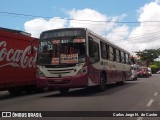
63 33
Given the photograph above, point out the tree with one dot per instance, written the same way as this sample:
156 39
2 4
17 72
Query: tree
148 55
155 66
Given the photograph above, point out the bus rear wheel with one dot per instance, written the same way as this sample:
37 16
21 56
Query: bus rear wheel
102 85
64 90
123 81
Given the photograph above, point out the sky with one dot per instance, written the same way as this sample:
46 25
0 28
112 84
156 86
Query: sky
131 24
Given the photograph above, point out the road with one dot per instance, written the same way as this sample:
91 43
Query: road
140 95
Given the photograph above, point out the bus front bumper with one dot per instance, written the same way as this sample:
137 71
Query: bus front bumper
70 82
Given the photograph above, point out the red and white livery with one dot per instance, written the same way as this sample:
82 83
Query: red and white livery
77 57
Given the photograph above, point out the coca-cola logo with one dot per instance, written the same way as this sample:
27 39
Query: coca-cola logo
17 58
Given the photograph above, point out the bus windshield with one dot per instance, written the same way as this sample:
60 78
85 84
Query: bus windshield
62 51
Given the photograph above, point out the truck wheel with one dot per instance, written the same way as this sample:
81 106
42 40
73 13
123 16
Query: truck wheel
29 89
16 91
64 90
102 85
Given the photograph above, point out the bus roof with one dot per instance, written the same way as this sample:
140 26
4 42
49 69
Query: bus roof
106 40
89 31
64 29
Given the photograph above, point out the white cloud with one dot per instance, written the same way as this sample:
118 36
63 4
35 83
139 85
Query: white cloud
79 17
157 1
144 36
36 26
90 15
118 33
147 34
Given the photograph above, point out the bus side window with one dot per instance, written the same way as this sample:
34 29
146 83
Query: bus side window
127 58
117 55
93 51
114 54
122 57
111 53
104 50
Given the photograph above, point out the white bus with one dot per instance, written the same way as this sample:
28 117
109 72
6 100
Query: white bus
78 57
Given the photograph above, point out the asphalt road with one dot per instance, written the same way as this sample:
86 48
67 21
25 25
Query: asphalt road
140 95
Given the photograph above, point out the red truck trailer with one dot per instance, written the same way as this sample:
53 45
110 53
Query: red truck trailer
18 53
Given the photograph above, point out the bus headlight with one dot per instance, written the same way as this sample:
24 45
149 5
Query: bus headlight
82 71
39 73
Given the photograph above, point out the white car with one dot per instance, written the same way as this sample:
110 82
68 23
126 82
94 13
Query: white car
158 72
134 75
149 71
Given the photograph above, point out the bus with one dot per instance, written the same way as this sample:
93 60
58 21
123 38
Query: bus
77 57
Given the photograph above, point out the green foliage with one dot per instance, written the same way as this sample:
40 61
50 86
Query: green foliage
155 66
148 55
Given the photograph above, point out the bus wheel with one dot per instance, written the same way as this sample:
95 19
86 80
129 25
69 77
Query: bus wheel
102 85
64 90
123 80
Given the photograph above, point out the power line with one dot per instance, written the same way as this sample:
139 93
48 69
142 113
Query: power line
153 34
69 19
145 35
106 23
24 15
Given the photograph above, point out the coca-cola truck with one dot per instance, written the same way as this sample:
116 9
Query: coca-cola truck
18 53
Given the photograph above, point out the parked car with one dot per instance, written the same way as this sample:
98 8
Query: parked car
149 71
158 72
143 72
